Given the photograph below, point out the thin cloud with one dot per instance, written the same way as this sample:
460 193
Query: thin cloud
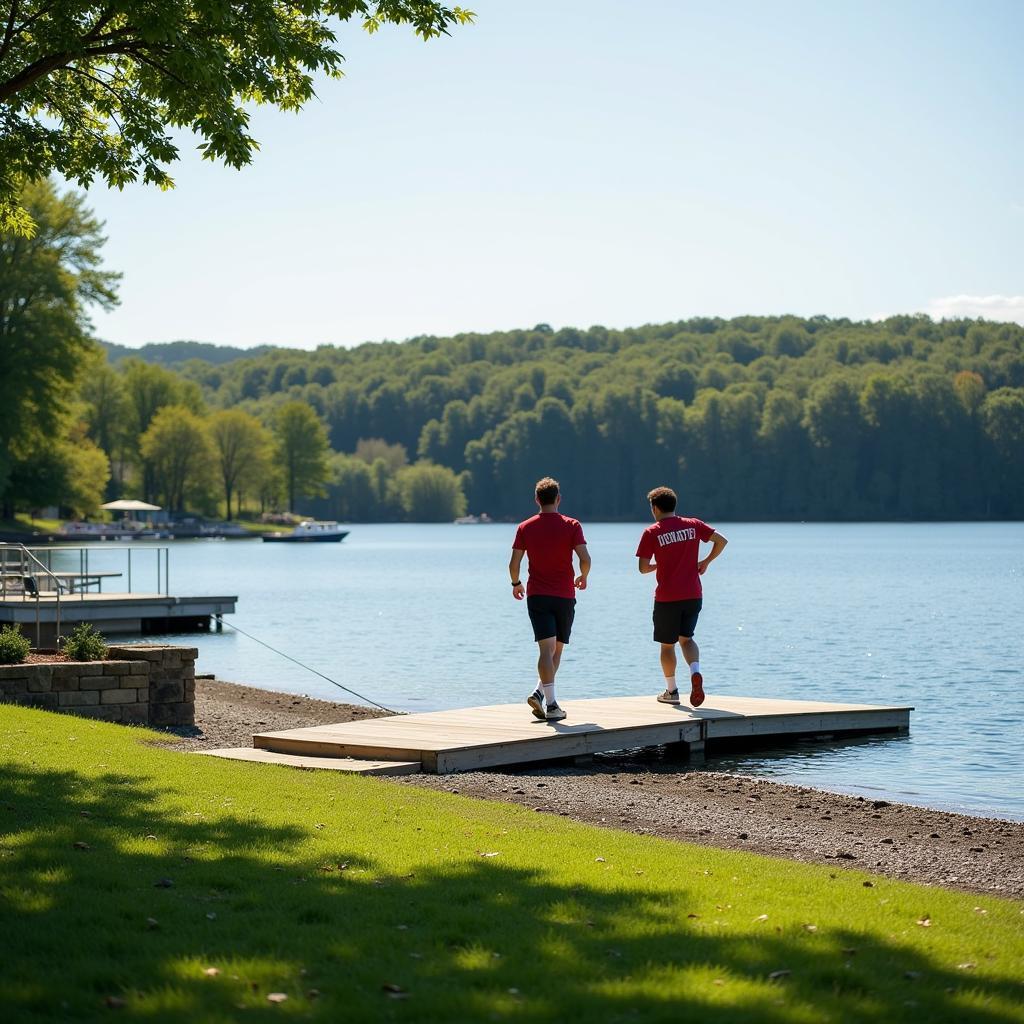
1004 308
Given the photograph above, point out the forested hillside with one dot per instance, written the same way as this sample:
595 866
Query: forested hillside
750 418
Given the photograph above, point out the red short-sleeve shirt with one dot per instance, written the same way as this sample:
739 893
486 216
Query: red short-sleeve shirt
674 544
549 539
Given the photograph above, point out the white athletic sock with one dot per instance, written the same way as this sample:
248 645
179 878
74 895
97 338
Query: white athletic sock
549 693
694 667
670 684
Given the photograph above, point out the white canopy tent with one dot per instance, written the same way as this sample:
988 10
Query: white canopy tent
130 505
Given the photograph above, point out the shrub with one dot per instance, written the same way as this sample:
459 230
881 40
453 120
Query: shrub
13 646
85 644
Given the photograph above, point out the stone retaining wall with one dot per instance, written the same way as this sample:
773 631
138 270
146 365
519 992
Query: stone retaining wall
148 684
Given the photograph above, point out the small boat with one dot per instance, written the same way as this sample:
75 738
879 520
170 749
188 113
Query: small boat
473 520
309 531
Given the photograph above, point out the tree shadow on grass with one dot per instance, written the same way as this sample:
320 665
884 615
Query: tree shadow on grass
183 916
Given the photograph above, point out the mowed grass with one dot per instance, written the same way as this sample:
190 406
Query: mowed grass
144 884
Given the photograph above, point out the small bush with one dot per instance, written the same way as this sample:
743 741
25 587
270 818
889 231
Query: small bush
85 644
14 647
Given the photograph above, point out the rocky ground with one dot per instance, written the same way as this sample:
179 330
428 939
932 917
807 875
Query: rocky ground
656 796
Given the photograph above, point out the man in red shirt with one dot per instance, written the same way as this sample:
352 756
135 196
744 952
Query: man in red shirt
549 541
674 545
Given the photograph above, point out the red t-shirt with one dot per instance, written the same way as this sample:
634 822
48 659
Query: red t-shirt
549 539
674 544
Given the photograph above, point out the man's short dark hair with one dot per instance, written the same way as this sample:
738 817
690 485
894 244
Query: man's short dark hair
546 490
663 499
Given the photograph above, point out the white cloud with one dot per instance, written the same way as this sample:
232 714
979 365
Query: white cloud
992 307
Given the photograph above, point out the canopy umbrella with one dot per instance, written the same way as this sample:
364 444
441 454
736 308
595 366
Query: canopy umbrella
130 505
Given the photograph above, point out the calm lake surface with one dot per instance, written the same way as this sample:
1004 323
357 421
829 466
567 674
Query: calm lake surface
420 617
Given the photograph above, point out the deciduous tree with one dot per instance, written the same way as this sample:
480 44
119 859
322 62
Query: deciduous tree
301 451
47 285
89 88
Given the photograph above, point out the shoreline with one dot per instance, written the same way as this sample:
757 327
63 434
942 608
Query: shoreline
651 796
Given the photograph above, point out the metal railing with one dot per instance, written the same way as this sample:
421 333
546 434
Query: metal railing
29 573
26 575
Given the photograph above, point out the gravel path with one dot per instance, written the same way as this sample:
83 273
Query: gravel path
651 797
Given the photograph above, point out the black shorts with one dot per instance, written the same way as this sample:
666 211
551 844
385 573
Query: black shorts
673 619
551 616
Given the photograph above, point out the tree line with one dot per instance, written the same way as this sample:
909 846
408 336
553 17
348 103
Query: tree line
748 418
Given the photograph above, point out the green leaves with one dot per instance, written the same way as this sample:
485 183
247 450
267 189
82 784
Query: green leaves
89 89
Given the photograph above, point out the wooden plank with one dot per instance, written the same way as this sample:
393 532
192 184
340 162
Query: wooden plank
337 764
508 734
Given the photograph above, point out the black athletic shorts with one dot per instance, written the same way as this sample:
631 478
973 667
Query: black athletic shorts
673 619
551 616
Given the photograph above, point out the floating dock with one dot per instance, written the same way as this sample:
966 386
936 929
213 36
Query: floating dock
440 742
112 613
47 591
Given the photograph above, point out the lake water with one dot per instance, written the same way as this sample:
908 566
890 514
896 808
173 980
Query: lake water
420 617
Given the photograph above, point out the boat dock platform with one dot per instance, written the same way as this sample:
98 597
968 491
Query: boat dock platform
47 591
441 742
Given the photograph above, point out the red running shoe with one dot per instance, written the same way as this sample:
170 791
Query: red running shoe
696 689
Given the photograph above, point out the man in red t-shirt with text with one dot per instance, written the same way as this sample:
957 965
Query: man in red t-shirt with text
673 543
549 540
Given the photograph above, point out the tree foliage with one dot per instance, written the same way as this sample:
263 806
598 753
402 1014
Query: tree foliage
47 285
302 451
90 88
177 450
241 446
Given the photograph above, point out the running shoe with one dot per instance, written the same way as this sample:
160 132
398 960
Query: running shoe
696 689
554 713
536 702
669 697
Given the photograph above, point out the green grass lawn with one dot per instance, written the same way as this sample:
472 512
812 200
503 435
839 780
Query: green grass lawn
27 524
144 884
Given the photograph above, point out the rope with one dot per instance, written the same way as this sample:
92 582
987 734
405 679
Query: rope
307 667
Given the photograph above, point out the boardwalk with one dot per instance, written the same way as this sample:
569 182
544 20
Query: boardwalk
506 734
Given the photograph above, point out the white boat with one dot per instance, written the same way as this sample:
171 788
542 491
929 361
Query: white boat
473 520
310 530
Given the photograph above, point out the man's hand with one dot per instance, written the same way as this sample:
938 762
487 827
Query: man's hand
519 592
580 582
702 566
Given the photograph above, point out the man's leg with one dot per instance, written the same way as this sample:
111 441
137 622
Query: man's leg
668 665
691 653
546 663
556 658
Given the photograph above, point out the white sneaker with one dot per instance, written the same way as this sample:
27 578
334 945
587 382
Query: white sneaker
669 697
536 702
554 713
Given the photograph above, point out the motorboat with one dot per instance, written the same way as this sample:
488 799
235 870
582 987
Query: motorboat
473 520
309 531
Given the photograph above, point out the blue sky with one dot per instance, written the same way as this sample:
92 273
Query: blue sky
578 162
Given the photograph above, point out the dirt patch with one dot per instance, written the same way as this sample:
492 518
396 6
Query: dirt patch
44 658
674 801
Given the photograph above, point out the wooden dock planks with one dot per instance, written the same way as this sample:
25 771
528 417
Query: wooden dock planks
338 764
502 734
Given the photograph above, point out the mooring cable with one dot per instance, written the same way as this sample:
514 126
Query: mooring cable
308 668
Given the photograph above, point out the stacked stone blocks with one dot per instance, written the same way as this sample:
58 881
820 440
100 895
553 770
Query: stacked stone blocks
147 684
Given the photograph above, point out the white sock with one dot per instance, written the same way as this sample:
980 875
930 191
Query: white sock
694 667
549 693
670 684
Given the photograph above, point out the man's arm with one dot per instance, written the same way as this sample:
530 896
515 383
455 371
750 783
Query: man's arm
514 565
718 543
584 556
646 565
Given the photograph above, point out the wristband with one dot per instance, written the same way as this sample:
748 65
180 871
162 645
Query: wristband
517 583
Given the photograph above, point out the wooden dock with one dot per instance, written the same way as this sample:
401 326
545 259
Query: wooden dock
441 742
112 613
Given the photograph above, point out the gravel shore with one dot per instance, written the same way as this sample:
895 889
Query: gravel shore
656 797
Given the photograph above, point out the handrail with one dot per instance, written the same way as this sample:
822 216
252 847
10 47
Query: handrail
25 559
161 552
